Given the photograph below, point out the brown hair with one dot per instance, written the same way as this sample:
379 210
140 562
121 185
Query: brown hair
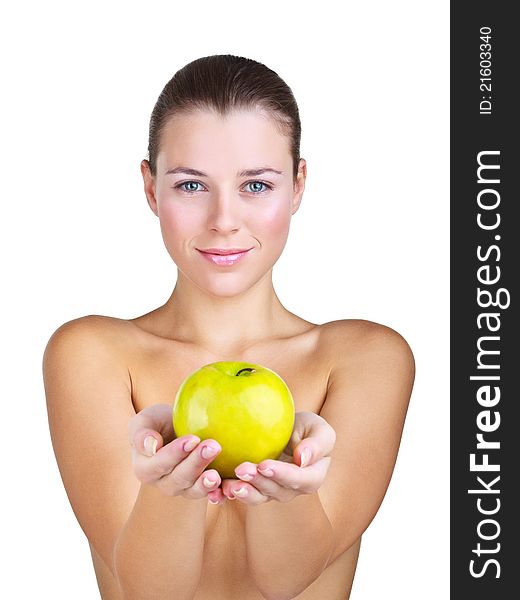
223 82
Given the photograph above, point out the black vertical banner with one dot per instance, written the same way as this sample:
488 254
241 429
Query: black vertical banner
485 332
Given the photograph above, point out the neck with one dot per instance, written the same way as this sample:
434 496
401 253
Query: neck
224 324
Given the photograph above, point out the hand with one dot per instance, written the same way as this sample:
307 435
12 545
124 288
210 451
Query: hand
173 465
301 469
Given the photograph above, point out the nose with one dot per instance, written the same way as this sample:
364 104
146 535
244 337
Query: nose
224 213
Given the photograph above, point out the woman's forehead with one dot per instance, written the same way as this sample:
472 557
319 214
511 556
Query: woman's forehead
205 138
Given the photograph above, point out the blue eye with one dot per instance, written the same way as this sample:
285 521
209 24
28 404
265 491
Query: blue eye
255 187
191 186
258 186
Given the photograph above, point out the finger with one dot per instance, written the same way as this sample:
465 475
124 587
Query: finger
318 440
186 472
291 476
248 472
157 417
175 453
243 492
216 496
304 423
208 481
151 468
147 441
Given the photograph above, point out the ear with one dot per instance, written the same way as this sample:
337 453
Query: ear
299 185
149 186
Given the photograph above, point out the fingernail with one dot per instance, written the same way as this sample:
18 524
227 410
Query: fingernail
305 457
150 445
212 501
208 482
240 492
266 472
245 476
208 452
189 445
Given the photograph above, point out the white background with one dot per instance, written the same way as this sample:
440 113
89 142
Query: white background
369 241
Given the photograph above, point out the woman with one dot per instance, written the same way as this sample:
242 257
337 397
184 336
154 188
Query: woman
224 177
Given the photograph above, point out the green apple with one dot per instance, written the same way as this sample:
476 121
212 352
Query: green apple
247 408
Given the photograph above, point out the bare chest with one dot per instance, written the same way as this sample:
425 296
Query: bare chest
158 370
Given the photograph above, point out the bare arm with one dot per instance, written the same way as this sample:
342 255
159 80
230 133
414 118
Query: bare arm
158 554
169 518
289 545
291 542
141 533
367 400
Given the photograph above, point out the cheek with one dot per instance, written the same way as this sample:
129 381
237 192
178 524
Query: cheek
276 220
177 222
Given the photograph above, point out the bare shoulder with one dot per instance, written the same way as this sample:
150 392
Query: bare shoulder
360 331
355 342
94 328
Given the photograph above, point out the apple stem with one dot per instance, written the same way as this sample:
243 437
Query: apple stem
247 369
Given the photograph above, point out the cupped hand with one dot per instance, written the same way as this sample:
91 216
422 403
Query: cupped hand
176 466
301 469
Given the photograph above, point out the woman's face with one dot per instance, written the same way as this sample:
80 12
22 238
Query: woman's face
224 183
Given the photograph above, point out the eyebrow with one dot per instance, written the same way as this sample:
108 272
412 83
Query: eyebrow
246 173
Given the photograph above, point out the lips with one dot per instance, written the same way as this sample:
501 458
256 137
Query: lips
223 251
224 257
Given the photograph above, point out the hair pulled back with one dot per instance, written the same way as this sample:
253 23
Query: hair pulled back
224 82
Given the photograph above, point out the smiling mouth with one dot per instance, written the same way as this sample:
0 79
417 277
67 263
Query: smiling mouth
224 251
230 257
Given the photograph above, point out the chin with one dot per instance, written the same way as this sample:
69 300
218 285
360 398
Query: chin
226 285
225 289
